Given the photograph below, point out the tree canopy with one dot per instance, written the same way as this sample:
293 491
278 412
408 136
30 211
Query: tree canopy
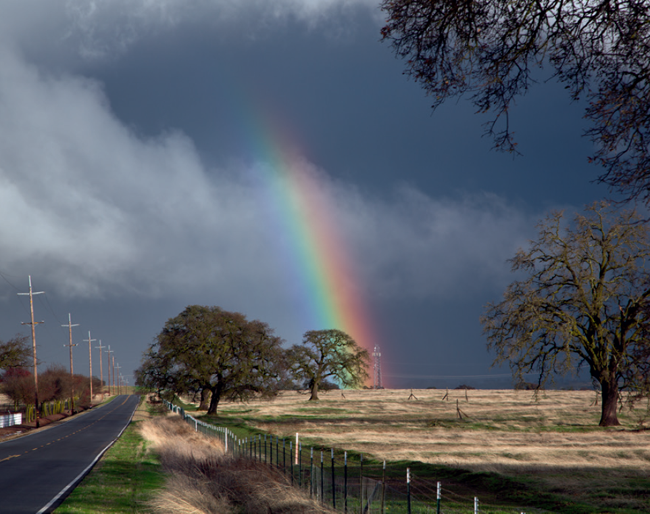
207 349
328 354
14 353
489 50
583 301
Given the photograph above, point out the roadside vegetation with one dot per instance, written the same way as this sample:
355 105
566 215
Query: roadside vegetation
201 478
126 477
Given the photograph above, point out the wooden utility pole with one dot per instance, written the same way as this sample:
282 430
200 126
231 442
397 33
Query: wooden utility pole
109 351
90 363
70 325
118 376
114 373
33 324
101 370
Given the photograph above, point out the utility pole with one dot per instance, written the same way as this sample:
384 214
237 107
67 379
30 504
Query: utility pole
109 351
118 376
114 390
70 325
33 324
101 370
90 363
377 368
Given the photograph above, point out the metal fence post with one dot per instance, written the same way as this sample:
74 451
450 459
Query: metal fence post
408 490
345 482
311 473
383 488
333 483
361 481
300 464
322 480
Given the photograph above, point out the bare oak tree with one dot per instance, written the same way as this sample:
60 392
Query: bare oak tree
583 301
328 353
489 50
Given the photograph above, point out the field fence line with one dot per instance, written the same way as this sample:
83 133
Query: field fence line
348 488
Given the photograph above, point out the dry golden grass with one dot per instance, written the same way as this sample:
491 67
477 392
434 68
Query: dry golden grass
202 479
553 437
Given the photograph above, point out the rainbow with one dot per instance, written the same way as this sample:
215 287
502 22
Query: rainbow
314 249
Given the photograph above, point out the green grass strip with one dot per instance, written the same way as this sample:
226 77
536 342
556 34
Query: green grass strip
123 480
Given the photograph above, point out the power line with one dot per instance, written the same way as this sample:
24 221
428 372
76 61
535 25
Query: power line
7 280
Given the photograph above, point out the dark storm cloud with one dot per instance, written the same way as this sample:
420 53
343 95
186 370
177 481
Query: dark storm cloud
123 179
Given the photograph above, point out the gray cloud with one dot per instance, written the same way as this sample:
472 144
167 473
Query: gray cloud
101 210
100 29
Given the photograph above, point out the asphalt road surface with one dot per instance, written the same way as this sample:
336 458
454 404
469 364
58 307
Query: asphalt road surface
35 470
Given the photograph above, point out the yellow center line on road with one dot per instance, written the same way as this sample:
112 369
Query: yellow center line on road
77 431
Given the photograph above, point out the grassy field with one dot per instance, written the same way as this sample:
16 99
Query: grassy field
549 444
124 480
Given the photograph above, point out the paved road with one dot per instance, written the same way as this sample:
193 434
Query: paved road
34 469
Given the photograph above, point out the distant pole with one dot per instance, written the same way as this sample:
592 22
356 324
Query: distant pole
90 364
101 370
70 325
109 351
33 324
118 377
377 368
114 373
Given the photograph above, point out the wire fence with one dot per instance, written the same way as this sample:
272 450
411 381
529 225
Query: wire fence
345 482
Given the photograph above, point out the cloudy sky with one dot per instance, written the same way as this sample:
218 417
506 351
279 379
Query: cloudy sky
133 135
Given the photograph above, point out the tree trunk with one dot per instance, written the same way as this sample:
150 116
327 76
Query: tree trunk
214 401
314 390
205 399
609 391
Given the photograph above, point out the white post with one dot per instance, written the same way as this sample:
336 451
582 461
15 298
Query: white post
475 505
296 458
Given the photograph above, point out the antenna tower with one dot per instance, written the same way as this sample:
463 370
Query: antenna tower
377 355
